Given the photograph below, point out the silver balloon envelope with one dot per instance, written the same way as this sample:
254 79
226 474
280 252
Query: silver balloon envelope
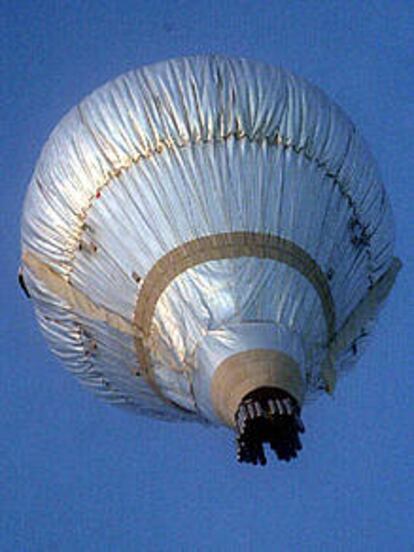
204 228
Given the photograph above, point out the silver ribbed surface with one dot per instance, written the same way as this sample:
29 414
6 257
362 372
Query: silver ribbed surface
186 149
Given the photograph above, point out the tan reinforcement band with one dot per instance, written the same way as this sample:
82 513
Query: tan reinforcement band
77 300
243 372
224 246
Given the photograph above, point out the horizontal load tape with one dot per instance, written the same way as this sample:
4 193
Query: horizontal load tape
58 285
227 245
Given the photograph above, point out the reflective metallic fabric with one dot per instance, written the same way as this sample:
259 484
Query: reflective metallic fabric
175 154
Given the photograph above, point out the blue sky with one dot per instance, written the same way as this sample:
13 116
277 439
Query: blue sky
77 474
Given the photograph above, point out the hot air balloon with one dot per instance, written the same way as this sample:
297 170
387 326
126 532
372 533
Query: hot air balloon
208 239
